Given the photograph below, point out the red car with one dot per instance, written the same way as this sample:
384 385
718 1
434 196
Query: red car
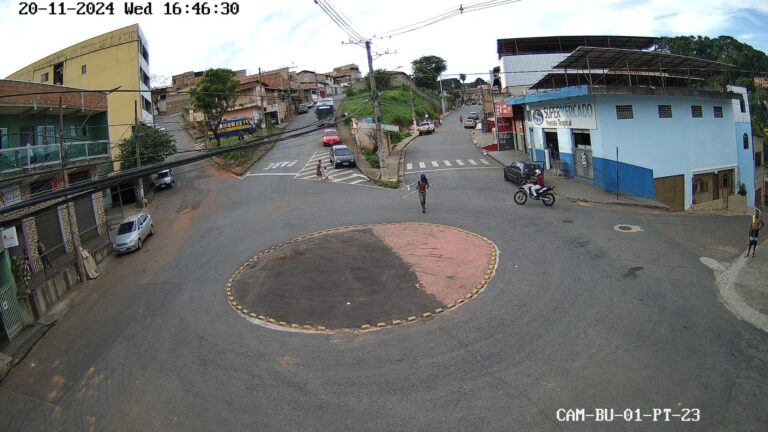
330 137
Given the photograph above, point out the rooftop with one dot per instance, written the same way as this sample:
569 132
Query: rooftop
562 44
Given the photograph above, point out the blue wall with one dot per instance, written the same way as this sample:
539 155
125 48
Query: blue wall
746 158
567 159
633 180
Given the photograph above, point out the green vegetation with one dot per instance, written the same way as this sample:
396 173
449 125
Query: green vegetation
215 95
426 69
371 157
395 106
242 157
749 63
154 146
396 137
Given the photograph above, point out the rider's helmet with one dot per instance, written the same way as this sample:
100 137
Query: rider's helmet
537 172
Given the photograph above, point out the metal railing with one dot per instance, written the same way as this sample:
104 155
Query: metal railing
16 158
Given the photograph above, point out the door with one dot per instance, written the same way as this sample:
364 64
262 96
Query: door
671 191
582 162
10 312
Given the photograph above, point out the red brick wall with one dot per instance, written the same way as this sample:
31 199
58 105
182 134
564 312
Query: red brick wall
87 100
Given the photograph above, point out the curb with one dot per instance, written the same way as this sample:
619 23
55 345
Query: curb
274 323
726 284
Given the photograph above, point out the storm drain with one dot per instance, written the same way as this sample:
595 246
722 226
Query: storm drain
627 228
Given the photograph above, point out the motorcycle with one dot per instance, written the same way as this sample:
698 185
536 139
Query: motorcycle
545 195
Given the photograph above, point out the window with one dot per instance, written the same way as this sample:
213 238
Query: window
665 111
745 138
84 130
758 159
58 74
146 104
718 110
3 138
624 112
696 111
44 77
742 105
73 131
83 69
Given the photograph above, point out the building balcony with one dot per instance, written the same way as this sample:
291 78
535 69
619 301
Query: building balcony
38 156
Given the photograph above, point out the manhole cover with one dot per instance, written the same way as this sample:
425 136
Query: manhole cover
566 221
627 228
363 277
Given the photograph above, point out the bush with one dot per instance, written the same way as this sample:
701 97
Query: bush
371 157
396 137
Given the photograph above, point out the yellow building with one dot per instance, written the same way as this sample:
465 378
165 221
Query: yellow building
115 59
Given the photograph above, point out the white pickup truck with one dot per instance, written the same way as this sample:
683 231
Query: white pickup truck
426 127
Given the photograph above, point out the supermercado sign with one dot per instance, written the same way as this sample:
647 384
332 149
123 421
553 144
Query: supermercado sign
566 116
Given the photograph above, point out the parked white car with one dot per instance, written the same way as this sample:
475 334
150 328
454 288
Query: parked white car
426 127
132 232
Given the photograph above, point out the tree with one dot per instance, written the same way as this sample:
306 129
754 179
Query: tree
154 146
478 82
748 61
215 95
427 69
382 80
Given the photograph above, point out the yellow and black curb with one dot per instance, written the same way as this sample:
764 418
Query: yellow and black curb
283 325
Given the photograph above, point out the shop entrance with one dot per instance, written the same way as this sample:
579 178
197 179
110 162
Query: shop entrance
551 144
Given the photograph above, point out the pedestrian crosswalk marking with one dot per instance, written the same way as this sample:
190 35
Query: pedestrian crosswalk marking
446 164
335 175
282 164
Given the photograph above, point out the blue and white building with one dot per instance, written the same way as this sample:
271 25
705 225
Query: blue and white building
644 124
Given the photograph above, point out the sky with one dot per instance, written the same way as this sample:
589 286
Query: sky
298 33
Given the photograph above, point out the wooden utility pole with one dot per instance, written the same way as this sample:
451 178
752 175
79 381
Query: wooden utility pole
263 110
73 229
377 116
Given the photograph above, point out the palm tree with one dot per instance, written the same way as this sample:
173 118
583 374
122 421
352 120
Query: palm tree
462 78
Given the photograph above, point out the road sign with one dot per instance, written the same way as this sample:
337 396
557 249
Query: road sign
353 131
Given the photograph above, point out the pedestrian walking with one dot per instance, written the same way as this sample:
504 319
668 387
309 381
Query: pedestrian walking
461 119
422 187
754 230
319 169
325 173
43 255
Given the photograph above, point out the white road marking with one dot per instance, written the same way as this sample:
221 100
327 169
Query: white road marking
435 164
282 164
485 162
472 162
409 166
447 163
450 169
422 165
459 162
270 174
345 178
358 181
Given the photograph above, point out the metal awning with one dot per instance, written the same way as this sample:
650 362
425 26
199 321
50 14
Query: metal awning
591 58
565 44
617 77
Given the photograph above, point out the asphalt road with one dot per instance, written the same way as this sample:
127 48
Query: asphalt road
578 315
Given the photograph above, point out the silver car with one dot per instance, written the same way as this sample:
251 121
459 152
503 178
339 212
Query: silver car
341 156
132 232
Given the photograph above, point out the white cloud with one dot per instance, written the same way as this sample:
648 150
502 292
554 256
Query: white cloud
273 34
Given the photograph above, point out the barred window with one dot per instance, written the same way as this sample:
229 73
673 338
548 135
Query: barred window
665 111
696 111
44 77
718 110
624 112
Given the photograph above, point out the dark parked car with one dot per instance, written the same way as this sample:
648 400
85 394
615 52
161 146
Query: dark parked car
518 172
341 156
303 108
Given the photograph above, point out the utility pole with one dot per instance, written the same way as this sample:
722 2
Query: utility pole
73 230
138 153
377 115
442 101
263 112
413 109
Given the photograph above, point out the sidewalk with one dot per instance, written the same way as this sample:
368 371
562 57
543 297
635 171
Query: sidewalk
743 286
572 188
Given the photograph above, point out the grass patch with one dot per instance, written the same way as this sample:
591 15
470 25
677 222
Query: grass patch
395 106
392 184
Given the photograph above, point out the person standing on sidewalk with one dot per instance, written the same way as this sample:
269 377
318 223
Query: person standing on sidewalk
319 169
754 230
422 187
43 255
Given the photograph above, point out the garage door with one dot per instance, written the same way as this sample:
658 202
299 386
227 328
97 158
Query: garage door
671 191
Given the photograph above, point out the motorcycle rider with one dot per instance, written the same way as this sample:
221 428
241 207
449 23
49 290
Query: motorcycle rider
538 184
